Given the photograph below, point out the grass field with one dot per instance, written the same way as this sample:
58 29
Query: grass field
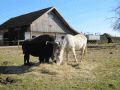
100 70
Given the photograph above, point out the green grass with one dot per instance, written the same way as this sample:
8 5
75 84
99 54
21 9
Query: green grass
100 70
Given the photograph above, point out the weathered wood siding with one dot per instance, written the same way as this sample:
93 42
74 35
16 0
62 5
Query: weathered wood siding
48 33
49 22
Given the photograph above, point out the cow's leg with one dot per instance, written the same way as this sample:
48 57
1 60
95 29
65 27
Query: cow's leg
41 59
52 57
26 59
73 50
47 60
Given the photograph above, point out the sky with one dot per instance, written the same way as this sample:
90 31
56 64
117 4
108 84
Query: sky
86 16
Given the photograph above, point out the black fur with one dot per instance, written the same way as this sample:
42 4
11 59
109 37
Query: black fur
38 47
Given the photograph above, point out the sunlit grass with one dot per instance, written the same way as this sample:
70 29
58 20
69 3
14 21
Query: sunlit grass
100 70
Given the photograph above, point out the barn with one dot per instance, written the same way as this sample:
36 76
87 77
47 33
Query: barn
46 21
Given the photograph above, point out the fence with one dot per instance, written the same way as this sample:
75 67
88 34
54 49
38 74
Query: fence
103 40
11 43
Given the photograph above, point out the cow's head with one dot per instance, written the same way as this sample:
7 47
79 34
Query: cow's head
56 50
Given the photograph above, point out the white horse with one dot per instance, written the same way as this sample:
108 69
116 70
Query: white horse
71 43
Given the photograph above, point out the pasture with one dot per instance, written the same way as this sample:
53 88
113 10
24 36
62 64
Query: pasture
100 70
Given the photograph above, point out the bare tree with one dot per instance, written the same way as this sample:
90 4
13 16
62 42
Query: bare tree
117 19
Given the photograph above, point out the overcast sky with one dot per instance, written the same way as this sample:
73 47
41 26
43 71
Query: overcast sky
87 16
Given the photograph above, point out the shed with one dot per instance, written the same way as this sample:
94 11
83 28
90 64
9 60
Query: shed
45 21
93 38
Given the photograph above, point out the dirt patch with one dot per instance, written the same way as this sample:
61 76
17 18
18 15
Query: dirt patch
7 80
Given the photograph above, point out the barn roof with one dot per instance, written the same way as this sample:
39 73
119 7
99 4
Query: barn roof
27 19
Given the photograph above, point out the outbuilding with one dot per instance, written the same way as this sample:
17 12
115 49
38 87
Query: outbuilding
46 21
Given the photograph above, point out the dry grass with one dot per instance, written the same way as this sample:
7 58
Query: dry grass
98 71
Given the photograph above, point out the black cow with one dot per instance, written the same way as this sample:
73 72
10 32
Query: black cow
41 46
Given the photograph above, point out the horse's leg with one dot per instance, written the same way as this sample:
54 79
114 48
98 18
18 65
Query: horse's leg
60 57
73 50
26 59
67 55
84 50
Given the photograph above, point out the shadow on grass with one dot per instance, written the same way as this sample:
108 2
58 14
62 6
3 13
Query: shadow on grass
17 69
